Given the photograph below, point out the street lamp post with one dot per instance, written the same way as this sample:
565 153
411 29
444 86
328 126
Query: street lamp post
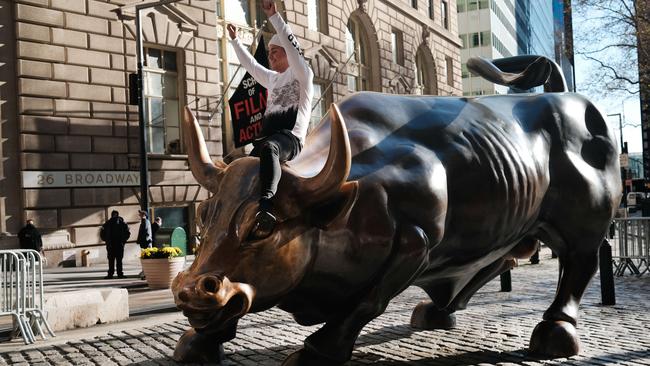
620 127
623 151
144 163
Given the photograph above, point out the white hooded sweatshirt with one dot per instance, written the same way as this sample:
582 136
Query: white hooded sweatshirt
290 93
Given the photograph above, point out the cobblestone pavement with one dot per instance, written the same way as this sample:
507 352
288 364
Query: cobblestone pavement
494 330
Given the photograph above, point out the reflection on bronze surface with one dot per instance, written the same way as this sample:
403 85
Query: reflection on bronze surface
392 191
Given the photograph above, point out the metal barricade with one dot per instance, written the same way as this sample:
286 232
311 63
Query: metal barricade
631 251
21 292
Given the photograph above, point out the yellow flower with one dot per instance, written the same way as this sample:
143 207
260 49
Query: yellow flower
164 252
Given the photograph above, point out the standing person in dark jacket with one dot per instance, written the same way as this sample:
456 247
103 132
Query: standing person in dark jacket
157 223
115 232
30 238
145 239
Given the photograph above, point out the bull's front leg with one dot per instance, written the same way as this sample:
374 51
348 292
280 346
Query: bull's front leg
556 335
333 343
203 346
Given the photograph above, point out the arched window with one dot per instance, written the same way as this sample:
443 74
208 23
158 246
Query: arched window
359 73
425 78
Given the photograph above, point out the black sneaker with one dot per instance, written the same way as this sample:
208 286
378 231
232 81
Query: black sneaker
121 276
109 277
264 225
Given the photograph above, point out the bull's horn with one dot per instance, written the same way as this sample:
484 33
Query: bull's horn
203 168
337 167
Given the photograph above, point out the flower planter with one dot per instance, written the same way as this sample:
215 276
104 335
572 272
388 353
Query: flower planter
160 272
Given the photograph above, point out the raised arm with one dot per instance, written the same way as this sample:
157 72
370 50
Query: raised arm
261 74
295 56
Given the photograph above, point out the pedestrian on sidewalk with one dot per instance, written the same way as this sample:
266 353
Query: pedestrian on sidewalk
115 232
145 239
30 238
157 223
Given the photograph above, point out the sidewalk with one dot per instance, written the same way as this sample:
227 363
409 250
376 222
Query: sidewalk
493 330
142 300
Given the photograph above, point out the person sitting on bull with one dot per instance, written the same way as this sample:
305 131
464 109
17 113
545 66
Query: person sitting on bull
288 111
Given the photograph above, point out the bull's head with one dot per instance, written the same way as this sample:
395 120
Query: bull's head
232 274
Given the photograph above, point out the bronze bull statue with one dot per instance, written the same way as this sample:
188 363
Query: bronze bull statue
393 191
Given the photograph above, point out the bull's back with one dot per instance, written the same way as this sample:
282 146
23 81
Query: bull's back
494 180
494 154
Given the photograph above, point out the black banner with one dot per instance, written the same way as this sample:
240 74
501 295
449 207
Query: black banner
248 103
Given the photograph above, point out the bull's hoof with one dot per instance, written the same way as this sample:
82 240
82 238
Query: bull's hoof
305 358
427 316
554 339
199 348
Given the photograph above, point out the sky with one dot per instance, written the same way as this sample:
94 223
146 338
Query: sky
627 105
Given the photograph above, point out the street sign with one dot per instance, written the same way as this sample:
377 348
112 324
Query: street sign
70 178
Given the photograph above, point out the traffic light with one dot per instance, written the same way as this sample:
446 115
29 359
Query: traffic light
134 88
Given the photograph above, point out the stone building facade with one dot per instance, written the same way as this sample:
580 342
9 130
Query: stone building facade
71 139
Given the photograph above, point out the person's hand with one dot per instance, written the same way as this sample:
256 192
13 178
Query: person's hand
232 31
269 7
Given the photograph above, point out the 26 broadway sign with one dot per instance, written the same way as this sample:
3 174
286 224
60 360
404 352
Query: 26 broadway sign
54 179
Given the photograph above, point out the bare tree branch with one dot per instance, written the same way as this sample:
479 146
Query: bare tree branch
617 76
611 45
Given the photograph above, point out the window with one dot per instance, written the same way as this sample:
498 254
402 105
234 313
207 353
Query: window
432 9
414 4
476 39
317 16
161 104
318 110
422 71
243 12
397 47
444 10
359 69
449 63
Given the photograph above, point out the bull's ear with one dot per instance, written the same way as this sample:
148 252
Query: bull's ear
336 209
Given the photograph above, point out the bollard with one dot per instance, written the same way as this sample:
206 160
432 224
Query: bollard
535 257
506 281
607 292
84 258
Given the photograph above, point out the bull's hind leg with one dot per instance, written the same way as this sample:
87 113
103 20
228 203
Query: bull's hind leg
429 315
333 343
556 335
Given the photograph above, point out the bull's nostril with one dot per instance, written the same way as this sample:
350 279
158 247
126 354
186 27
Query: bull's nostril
210 284
184 296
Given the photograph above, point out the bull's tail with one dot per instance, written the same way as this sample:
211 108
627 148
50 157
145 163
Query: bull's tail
522 72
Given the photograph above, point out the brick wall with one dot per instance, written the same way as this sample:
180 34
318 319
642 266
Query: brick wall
72 60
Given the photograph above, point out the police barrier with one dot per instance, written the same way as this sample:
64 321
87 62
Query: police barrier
631 249
21 292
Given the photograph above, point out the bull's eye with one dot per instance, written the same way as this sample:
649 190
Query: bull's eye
207 213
